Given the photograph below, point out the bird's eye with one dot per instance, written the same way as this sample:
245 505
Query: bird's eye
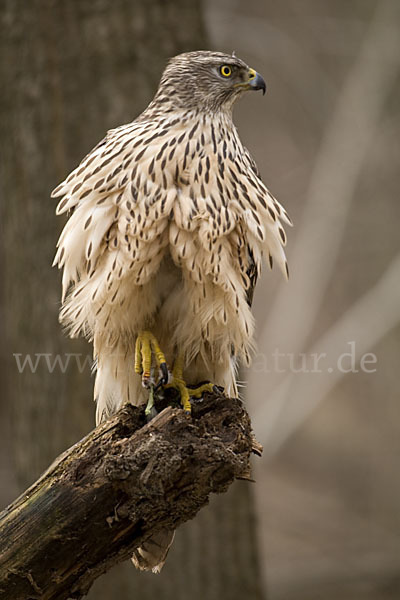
226 71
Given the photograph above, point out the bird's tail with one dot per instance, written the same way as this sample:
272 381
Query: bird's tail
153 552
116 381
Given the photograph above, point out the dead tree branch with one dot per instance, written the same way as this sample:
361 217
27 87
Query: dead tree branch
106 494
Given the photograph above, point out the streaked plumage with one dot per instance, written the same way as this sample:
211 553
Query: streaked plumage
169 225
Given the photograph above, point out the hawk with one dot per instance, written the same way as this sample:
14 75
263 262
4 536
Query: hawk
169 224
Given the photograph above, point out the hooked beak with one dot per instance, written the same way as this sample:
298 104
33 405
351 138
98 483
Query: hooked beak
255 81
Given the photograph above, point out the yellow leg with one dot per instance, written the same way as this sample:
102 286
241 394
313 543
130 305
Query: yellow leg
186 392
147 346
179 383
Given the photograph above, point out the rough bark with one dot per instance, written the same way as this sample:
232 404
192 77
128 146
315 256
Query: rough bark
104 496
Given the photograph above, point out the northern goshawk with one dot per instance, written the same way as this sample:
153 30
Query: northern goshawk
169 224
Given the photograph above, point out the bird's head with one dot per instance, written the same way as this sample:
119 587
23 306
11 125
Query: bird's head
206 80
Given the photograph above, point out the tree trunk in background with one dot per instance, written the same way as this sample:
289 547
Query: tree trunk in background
69 72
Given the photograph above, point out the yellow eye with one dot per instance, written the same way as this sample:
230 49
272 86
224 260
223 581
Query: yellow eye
226 71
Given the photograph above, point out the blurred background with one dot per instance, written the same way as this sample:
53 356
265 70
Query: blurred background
322 519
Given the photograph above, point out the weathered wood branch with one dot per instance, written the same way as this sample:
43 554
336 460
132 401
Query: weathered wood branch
106 494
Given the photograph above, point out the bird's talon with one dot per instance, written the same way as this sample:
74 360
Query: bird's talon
218 389
147 349
164 373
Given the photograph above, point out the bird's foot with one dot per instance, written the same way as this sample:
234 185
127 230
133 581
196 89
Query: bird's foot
187 391
178 383
146 348
163 389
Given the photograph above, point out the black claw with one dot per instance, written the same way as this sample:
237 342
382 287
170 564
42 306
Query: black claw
218 389
164 373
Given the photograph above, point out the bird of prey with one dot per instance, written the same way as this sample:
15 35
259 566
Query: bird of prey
169 224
